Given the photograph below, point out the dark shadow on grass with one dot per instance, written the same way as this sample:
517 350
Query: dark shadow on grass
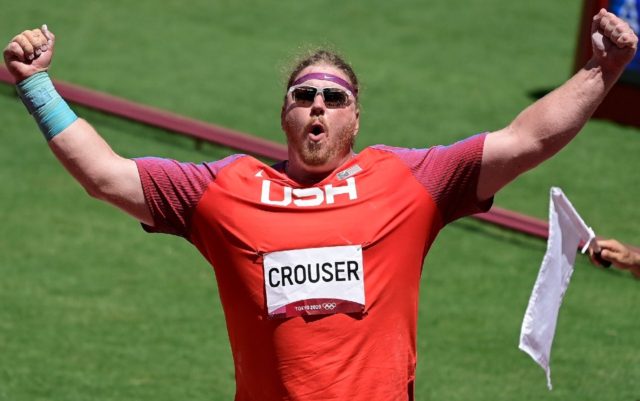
208 151
526 241
494 232
129 127
132 127
536 94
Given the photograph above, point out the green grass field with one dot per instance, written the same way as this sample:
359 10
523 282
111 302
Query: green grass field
92 308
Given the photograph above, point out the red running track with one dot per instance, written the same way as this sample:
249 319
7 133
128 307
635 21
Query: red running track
243 142
162 119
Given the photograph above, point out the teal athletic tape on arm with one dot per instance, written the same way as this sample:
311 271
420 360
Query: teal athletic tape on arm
44 103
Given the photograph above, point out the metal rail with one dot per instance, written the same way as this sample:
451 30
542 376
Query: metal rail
243 142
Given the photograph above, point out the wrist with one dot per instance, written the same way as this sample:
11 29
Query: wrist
20 76
607 71
44 103
36 90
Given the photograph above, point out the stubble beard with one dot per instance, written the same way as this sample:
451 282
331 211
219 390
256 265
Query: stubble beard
319 153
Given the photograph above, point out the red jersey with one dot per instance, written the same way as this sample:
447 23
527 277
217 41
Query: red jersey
319 284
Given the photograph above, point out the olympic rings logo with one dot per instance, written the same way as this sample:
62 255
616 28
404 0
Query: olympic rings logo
329 305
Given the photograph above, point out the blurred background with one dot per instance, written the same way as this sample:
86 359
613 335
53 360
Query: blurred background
91 307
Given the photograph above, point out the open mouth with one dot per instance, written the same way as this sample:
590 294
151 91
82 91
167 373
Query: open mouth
316 131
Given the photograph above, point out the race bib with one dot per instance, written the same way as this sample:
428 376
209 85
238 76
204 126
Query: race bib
314 281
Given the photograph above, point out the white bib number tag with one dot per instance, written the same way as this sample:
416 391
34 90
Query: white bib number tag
314 281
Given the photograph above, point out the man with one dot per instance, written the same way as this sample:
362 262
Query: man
318 258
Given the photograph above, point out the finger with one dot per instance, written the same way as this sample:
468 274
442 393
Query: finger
621 35
42 39
607 23
37 40
606 254
628 39
26 46
610 244
598 40
616 258
48 34
597 31
595 23
14 51
597 20
38 37
32 42
35 37
599 15
615 34
614 28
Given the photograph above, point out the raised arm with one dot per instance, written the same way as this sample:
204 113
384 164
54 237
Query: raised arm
546 126
104 174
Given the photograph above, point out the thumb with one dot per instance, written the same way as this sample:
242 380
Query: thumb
597 36
49 35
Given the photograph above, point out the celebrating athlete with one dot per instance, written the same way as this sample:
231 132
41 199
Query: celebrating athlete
318 258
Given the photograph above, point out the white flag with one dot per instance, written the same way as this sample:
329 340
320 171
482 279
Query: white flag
566 231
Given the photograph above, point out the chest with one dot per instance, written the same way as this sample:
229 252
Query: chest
264 214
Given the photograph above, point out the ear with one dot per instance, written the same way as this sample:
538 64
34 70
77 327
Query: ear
357 126
282 116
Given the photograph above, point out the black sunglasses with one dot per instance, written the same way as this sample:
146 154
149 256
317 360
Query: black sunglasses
304 95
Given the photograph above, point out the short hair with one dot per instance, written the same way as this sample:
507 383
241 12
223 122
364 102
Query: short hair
324 56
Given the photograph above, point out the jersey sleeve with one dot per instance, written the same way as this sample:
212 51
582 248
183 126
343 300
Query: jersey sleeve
172 191
450 174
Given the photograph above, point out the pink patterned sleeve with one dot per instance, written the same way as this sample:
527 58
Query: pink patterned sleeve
172 190
450 174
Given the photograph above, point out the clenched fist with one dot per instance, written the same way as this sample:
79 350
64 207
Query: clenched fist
29 52
614 42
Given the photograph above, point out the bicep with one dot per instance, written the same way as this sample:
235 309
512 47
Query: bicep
124 190
104 174
505 156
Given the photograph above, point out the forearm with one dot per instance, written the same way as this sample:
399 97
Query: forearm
102 173
543 128
77 145
89 159
550 123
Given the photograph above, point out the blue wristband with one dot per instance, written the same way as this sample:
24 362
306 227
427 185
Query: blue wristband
44 103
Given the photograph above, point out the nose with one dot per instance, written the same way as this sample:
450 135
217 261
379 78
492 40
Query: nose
318 107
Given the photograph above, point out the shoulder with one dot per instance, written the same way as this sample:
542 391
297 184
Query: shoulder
409 157
164 166
412 156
